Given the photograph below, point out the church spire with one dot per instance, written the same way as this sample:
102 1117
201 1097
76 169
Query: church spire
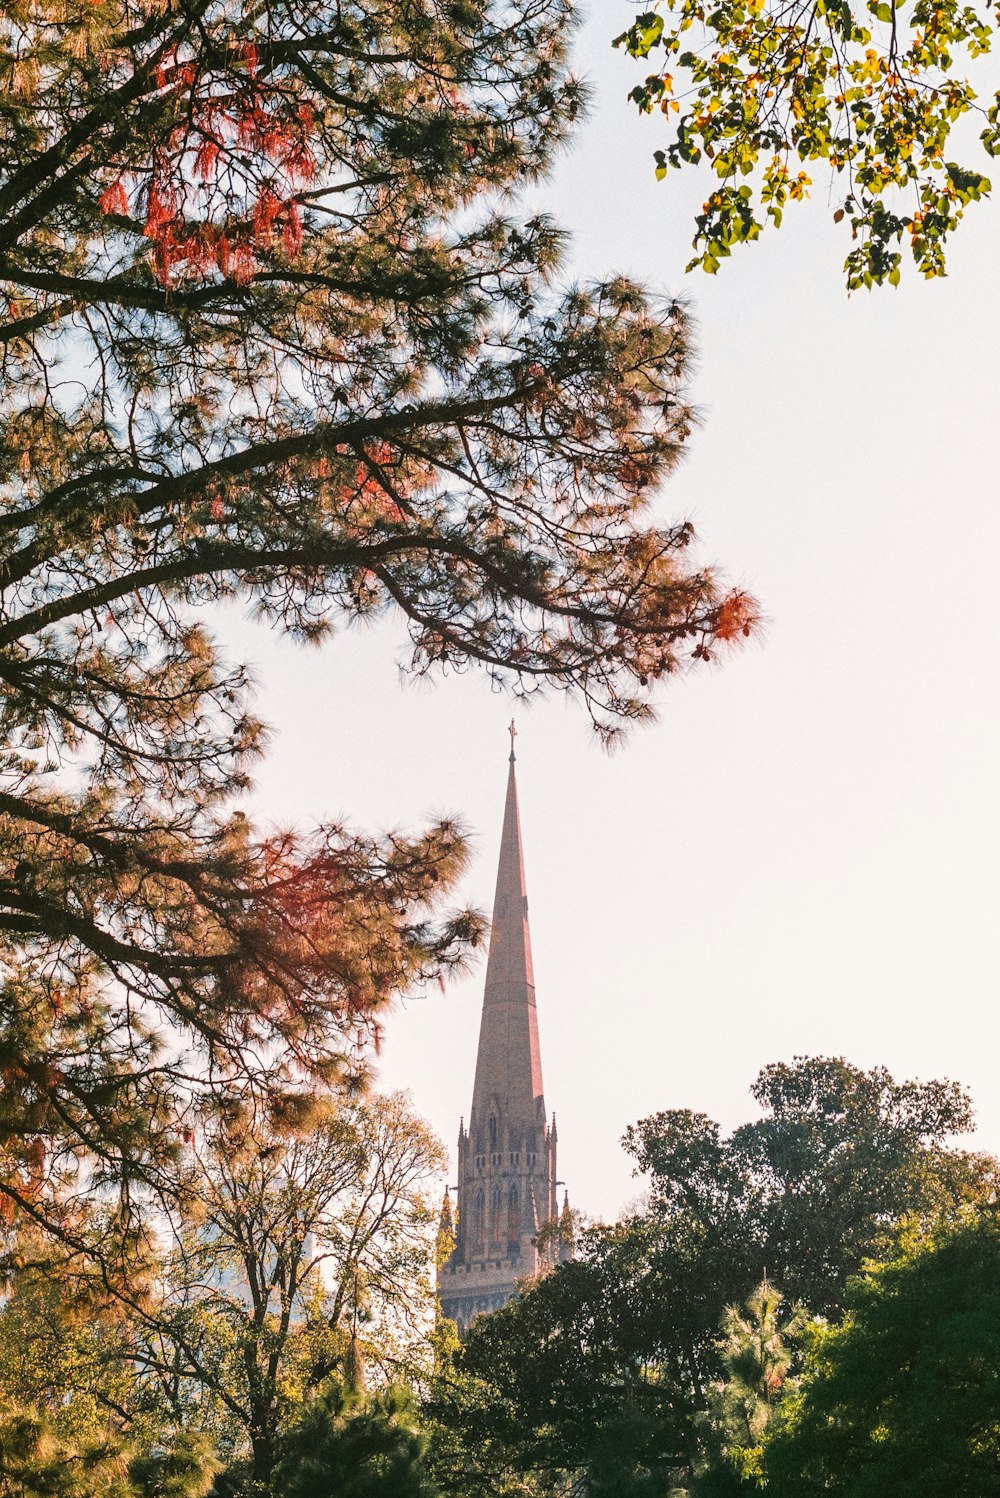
507 1171
509 1066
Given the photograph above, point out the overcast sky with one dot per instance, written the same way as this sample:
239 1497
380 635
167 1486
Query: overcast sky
801 857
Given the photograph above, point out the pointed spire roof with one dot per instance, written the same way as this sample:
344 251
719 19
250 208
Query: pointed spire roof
509 1066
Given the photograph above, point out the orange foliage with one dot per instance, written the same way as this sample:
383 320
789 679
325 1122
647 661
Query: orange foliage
246 113
736 615
206 158
368 488
291 233
636 471
161 209
267 212
114 199
34 1156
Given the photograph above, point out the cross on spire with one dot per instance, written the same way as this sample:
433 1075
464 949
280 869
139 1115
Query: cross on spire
512 730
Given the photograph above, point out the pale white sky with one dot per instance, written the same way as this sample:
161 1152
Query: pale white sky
802 856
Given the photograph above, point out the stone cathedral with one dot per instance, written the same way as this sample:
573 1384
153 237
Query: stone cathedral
507 1157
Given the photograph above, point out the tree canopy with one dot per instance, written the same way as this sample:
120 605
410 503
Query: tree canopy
627 1337
900 1399
821 1181
291 1266
293 1261
762 89
272 330
284 1321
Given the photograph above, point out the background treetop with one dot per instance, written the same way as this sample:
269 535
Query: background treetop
870 92
823 1179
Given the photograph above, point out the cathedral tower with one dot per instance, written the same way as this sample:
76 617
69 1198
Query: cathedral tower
507 1156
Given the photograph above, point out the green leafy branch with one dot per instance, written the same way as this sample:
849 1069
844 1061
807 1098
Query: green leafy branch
872 91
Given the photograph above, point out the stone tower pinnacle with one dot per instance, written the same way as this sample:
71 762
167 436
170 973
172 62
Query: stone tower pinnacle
509 1063
507 1157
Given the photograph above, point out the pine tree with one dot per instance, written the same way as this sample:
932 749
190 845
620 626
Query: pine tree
272 330
35 1462
357 1446
756 1348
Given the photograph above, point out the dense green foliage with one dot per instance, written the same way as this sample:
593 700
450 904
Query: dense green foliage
36 1462
818 1184
270 333
564 1380
872 92
348 1445
900 1400
627 1335
65 1352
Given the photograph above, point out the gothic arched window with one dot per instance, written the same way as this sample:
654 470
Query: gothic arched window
513 1213
495 1215
493 1133
479 1218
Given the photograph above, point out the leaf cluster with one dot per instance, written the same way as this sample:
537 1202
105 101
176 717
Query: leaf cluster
822 1181
290 1263
762 90
298 1260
